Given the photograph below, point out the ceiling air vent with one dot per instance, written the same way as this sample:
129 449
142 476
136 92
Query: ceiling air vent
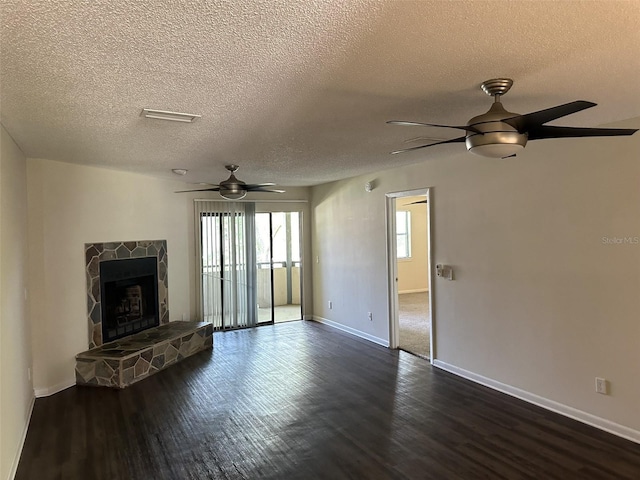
172 116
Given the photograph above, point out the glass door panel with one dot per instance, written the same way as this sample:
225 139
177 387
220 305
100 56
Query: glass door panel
264 281
228 287
278 264
286 266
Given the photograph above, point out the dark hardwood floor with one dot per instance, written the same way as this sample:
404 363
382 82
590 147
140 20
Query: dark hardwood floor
302 401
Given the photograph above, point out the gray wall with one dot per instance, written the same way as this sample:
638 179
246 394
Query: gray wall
543 301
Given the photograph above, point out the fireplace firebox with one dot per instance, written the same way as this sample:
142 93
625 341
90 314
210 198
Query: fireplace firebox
129 296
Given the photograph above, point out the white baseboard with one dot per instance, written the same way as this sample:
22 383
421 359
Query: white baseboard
415 290
45 392
350 330
23 437
579 415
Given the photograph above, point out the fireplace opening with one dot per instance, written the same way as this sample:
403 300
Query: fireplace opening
129 296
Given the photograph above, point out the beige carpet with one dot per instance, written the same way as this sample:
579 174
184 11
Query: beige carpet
414 323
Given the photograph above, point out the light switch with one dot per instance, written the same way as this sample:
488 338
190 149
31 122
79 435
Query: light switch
444 271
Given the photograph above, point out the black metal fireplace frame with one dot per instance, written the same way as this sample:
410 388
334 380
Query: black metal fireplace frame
124 271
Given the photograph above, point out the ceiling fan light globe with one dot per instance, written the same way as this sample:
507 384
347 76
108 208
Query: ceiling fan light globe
233 193
497 139
496 142
496 150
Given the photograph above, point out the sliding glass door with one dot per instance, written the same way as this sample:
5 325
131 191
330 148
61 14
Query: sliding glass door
227 264
278 266
249 265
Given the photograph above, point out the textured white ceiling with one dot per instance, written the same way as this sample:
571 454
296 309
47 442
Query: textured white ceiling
297 92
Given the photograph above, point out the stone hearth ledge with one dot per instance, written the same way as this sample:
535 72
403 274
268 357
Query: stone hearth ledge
123 362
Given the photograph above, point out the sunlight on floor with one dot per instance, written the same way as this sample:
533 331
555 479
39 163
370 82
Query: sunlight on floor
283 313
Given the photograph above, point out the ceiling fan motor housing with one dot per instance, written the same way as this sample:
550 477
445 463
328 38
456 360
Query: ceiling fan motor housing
496 139
232 188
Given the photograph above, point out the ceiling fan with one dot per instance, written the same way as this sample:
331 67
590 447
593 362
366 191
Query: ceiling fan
501 134
234 189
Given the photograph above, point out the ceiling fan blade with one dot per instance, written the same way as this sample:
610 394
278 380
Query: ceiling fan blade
453 140
548 131
213 189
263 189
528 121
424 138
414 203
418 124
250 186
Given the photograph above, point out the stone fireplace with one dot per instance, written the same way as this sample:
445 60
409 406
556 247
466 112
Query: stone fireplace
130 336
126 288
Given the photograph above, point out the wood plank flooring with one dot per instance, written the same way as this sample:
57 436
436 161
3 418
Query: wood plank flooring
300 400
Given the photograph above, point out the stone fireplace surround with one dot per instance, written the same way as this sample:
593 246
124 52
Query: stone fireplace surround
122 362
100 252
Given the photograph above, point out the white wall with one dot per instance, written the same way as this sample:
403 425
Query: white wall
413 272
539 303
70 205
16 390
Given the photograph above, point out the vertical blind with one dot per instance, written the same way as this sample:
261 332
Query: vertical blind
225 248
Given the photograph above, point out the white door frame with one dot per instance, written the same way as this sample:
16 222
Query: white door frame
392 266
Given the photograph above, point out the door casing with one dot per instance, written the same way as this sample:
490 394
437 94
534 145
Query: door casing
392 266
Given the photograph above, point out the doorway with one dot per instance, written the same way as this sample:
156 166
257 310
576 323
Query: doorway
278 262
409 270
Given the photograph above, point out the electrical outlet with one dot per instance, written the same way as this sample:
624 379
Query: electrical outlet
370 316
330 304
601 386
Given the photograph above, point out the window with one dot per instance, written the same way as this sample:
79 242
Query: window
403 234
